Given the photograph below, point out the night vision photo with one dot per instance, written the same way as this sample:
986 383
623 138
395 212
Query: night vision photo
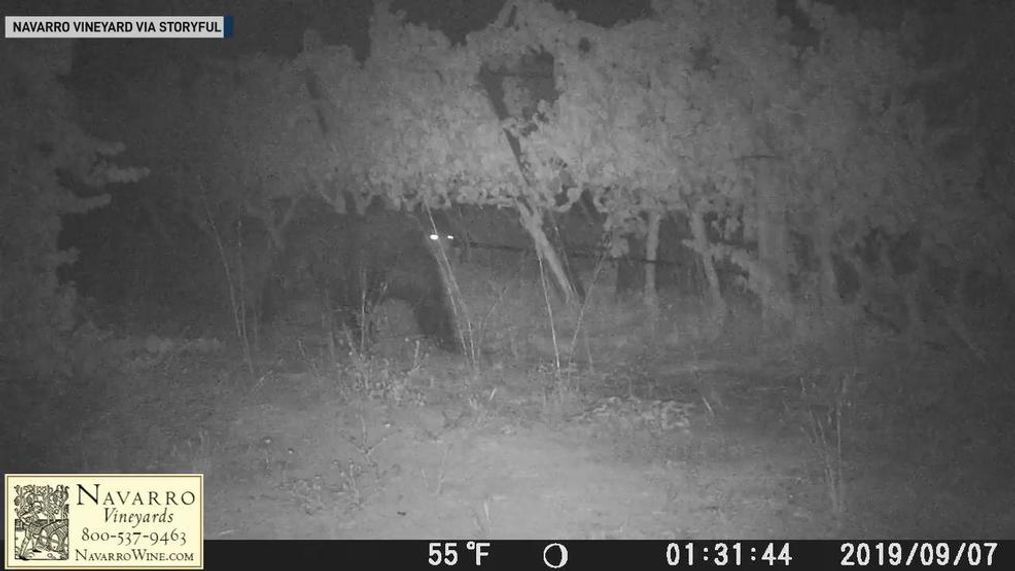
518 269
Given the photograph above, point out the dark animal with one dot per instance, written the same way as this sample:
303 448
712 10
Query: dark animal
354 263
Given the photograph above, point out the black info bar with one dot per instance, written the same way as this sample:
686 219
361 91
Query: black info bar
612 554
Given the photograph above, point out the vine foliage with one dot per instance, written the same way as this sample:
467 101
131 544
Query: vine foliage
49 162
793 154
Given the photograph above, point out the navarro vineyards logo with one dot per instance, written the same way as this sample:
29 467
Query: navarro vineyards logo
59 521
41 522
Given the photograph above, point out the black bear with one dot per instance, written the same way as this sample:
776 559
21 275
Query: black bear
356 262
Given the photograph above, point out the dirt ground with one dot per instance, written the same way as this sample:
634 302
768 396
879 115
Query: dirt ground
431 446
